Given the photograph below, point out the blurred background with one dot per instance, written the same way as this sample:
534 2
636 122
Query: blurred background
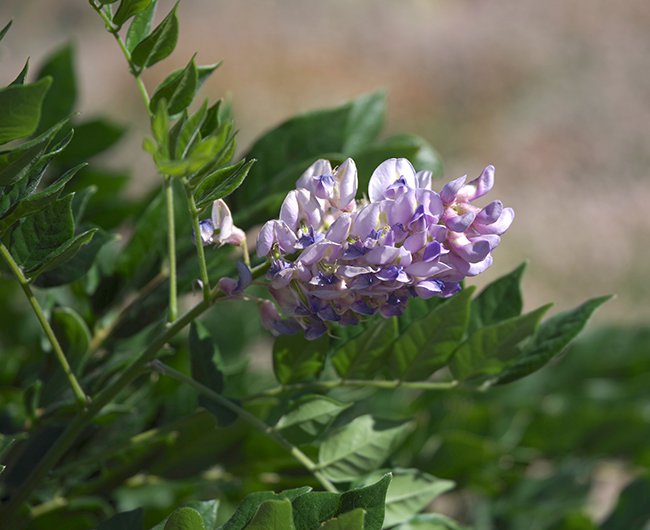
555 94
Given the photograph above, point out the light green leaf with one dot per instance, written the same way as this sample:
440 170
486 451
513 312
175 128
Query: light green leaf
272 515
498 301
311 509
185 518
178 89
354 520
297 359
359 448
488 350
428 344
366 354
248 507
62 95
200 156
128 9
221 183
186 132
159 44
308 417
140 26
552 337
409 492
21 106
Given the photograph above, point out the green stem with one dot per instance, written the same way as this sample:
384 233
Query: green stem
249 418
355 383
198 243
82 398
171 248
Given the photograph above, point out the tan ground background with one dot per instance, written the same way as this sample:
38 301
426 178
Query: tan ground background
556 94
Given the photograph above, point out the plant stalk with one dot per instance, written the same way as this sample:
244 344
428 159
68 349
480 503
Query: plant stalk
198 243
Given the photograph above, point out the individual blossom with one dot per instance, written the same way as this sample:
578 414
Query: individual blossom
337 259
220 229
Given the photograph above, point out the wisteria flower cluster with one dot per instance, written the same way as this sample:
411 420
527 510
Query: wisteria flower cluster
338 259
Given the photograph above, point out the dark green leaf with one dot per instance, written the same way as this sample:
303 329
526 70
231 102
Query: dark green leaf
297 359
91 138
60 100
5 443
247 508
205 361
428 344
498 301
185 518
159 44
42 233
63 253
359 447
311 509
21 109
632 509
371 498
308 417
178 89
4 30
128 9
73 334
272 515
354 520
489 349
140 26
553 336
221 183
366 354
132 520
31 398
20 79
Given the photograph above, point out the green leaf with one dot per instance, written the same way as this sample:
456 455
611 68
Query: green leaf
308 417
550 340
248 507
201 154
359 447
63 253
354 520
205 361
43 233
60 100
498 301
185 518
366 354
5 444
632 509
206 509
187 133
128 9
221 183
4 30
411 491
91 138
297 359
21 109
371 498
31 398
131 520
428 344
178 89
311 509
140 26
73 334
430 521
20 78
272 515
299 141
159 44
489 349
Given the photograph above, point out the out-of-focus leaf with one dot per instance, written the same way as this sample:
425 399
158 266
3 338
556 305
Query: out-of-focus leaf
498 301
4 30
428 344
359 447
488 350
297 359
430 521
128 9
178 89
354 520
247 508
185 518
60 100
21 106
366 354
632 509
131 520
20 78
221 183
272 515
308 417
140 26
553 336
159 44
5 443
73 334
91 138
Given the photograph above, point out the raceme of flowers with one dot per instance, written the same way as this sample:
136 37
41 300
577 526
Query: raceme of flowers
338 259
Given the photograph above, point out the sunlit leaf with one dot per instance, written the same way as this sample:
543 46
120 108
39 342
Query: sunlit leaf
272 515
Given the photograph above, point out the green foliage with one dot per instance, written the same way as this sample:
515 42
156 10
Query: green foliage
159 44
21 106
298 359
